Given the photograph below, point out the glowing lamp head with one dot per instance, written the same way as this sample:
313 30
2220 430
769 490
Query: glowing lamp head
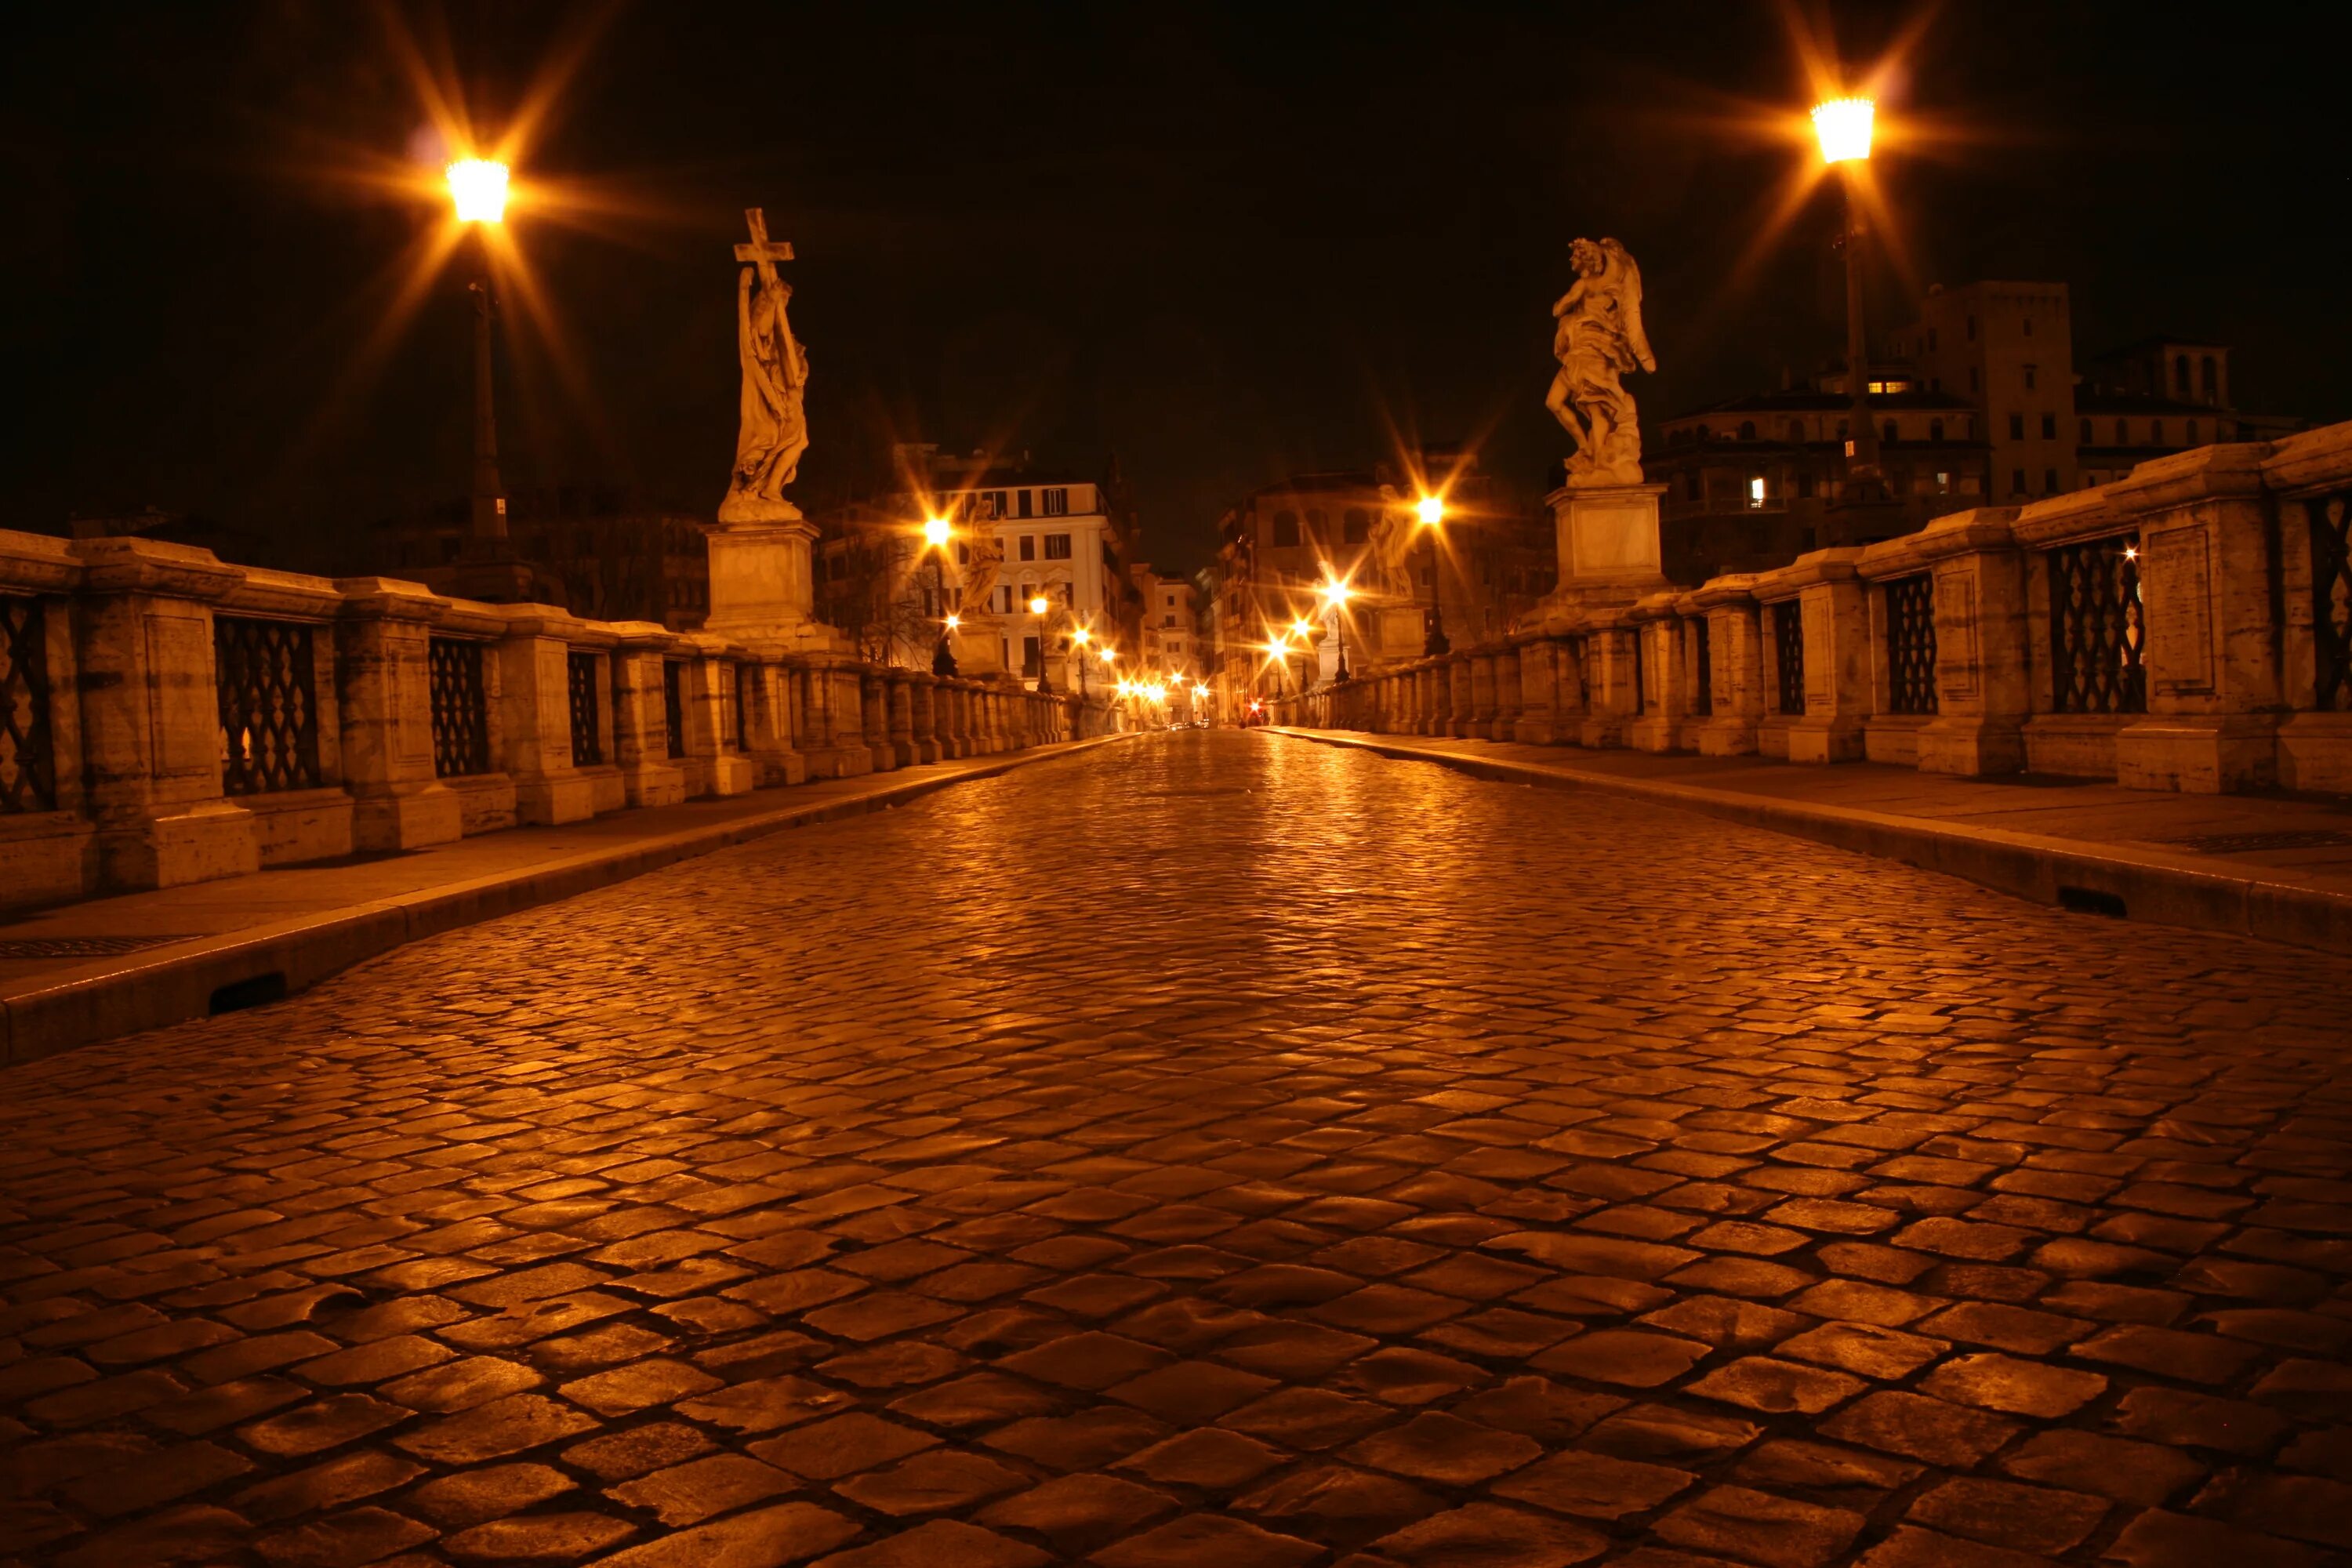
1432 511
1037 604
479 189
1842 126
1302 629
953 622
1109 654
1338 593
935 531
1080 636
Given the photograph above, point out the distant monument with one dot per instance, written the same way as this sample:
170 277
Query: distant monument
1606 516
762 590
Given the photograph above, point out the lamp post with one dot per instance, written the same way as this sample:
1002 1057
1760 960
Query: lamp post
1336 595
477 188
1038 605
936 534
1843 127
1079 638
1432 512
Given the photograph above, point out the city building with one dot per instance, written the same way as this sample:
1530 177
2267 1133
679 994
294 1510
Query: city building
603 550
1977 403
1493 557
1063 536
1170 638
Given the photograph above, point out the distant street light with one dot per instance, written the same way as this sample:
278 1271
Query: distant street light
1336 594
1432 518
936 534
1079 638
1843 126
477 189
1038 605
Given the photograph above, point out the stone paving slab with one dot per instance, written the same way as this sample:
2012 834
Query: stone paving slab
1212 1150
2179 859
167 955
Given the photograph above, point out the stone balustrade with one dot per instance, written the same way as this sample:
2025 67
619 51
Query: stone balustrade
2186 628
166 717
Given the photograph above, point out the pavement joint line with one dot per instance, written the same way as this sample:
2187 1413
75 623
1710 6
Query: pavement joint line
173 981
2151 885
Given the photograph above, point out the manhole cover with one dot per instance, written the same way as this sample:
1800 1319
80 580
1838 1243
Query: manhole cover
78 946
2248 843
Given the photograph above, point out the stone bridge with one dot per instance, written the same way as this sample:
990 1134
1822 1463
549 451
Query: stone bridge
1259 1152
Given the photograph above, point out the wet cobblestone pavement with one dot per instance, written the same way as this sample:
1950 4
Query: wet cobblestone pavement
1214 1148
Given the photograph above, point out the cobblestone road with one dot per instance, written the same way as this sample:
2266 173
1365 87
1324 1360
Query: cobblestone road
1212 1150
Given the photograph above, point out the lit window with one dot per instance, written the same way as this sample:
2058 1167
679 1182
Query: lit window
1943 484
1756 491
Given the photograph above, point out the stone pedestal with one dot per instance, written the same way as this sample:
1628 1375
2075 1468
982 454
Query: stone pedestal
1609 549
763 587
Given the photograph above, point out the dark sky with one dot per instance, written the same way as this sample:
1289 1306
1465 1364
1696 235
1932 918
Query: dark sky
1225 243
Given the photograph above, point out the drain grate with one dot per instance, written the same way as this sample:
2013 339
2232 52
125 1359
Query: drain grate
2248 843
78 946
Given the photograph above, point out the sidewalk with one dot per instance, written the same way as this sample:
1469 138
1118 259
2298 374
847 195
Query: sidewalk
112 966
2274 866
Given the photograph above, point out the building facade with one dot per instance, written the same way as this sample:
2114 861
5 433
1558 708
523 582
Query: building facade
612 556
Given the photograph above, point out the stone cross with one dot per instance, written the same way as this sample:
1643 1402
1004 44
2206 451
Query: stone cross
759 252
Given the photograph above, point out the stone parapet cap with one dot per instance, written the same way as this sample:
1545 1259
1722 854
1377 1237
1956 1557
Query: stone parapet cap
292 596
1836 564
1658 606
2301 465
2062 520
390 599
547 621
645 637
1898 557
37 562
2228 472
145 567
1978 531
1737 589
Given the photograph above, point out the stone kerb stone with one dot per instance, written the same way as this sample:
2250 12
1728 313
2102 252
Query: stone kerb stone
48 851
2078 744
2306 473
2210 569
383 681
1736 666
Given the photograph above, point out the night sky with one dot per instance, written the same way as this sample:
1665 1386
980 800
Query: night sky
1224 244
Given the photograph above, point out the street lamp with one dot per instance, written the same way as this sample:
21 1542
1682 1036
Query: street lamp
1038 605
1842 126
1336 594
477 189
1432 512
936 534
1079 638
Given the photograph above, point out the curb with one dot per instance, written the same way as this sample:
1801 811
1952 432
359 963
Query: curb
2136 884
165 985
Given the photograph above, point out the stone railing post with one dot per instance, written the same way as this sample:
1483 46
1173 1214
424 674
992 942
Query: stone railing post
1538 722
1836 621
2210 572
1510 698
47 845
383 677
923 695
1735 665
1478 667
1461 705
1896 583
768 718
874 710
538 723
1663 707
651 758
717 760
2311 477
1696 650
899 701
1984 687
1610 696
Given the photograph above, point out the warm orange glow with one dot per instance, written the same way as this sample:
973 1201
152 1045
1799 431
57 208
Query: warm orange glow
953 622
478 186
1109 654
1338 594
1843 127
1433 511
1080 636
1302 628
935 531
1038 605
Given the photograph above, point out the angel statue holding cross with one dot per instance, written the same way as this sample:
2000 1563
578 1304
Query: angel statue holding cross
774 431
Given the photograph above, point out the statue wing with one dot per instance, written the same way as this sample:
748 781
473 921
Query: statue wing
1630 289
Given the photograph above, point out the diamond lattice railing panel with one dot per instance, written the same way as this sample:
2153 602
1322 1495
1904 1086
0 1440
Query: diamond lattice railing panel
264 671
1911 645
28 764
2099 628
